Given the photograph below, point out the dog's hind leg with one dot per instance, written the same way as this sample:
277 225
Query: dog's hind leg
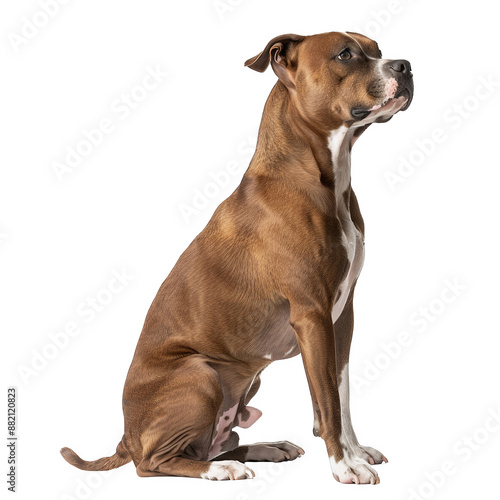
185 467
280 451
185 406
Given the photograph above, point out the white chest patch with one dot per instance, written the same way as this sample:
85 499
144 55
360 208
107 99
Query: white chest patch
339 144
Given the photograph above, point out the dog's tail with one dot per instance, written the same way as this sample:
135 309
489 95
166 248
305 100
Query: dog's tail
121 457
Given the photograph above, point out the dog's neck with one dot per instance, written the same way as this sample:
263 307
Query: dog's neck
303 152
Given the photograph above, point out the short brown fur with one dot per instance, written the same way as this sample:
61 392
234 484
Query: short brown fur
261 278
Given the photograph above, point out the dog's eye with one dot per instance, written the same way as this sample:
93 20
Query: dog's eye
345 55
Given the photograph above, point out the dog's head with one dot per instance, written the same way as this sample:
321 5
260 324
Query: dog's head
338 79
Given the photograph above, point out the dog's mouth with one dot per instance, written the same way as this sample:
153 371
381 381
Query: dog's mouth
407 93
388 101
380 113
397 97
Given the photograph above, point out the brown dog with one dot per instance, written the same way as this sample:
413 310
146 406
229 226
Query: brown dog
271 276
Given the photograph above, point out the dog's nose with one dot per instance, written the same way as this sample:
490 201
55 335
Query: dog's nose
400 66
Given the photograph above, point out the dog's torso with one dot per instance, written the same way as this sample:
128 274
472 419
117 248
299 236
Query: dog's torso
278 233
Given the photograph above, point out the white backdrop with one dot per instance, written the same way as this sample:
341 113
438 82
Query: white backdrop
146 102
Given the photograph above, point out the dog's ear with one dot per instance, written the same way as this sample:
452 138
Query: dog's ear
278 53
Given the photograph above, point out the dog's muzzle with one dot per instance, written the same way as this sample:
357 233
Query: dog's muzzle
398 83
400 70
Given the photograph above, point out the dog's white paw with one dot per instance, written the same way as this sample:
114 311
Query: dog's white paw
228 470
370 455
353 470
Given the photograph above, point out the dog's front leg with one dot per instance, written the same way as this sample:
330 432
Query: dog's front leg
315 335
343 336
